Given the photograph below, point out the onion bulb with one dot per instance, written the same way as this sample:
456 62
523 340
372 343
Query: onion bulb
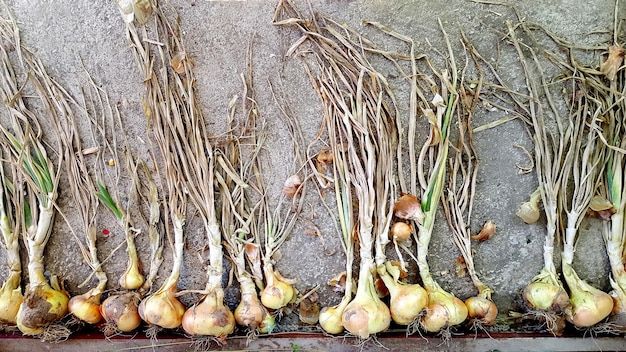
400 231
278 292
589 305
42 306
541 295
330 318
10 298
443 310
406 301
408 207
209 317
121 311
86 307
482 310
250 312
132 278
162 308
366 314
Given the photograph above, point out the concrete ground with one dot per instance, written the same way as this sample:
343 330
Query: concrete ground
71 37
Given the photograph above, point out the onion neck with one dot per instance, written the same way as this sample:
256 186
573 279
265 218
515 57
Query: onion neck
570 237
36 275
548 247
422 250
215 268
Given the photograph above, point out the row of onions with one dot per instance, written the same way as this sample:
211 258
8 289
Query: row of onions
576 121
361 150
359 158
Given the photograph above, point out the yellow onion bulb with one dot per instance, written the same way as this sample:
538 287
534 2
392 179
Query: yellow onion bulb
330 319
121 311
366 315
589 305
481 309
162 309
10 299
132 278
252 314
590 308
400 231
407 302
42 306
86 307
443 310
278 292
209 318
546 296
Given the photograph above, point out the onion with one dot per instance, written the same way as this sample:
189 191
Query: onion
401 231
42 306
250 312
406 301
86 307
209 317
278 292
162 308
330 318
546 296
366 314
589 305
132 278
10 298
121 311
443 310
482 310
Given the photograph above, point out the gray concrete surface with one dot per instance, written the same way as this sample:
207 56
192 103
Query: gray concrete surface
216 35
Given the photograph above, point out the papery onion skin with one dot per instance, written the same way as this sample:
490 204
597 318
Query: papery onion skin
42 306
121 311
162 309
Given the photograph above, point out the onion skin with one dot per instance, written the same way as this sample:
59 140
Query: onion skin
121 311
86 307
162 309
482 310
209 318
42 306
